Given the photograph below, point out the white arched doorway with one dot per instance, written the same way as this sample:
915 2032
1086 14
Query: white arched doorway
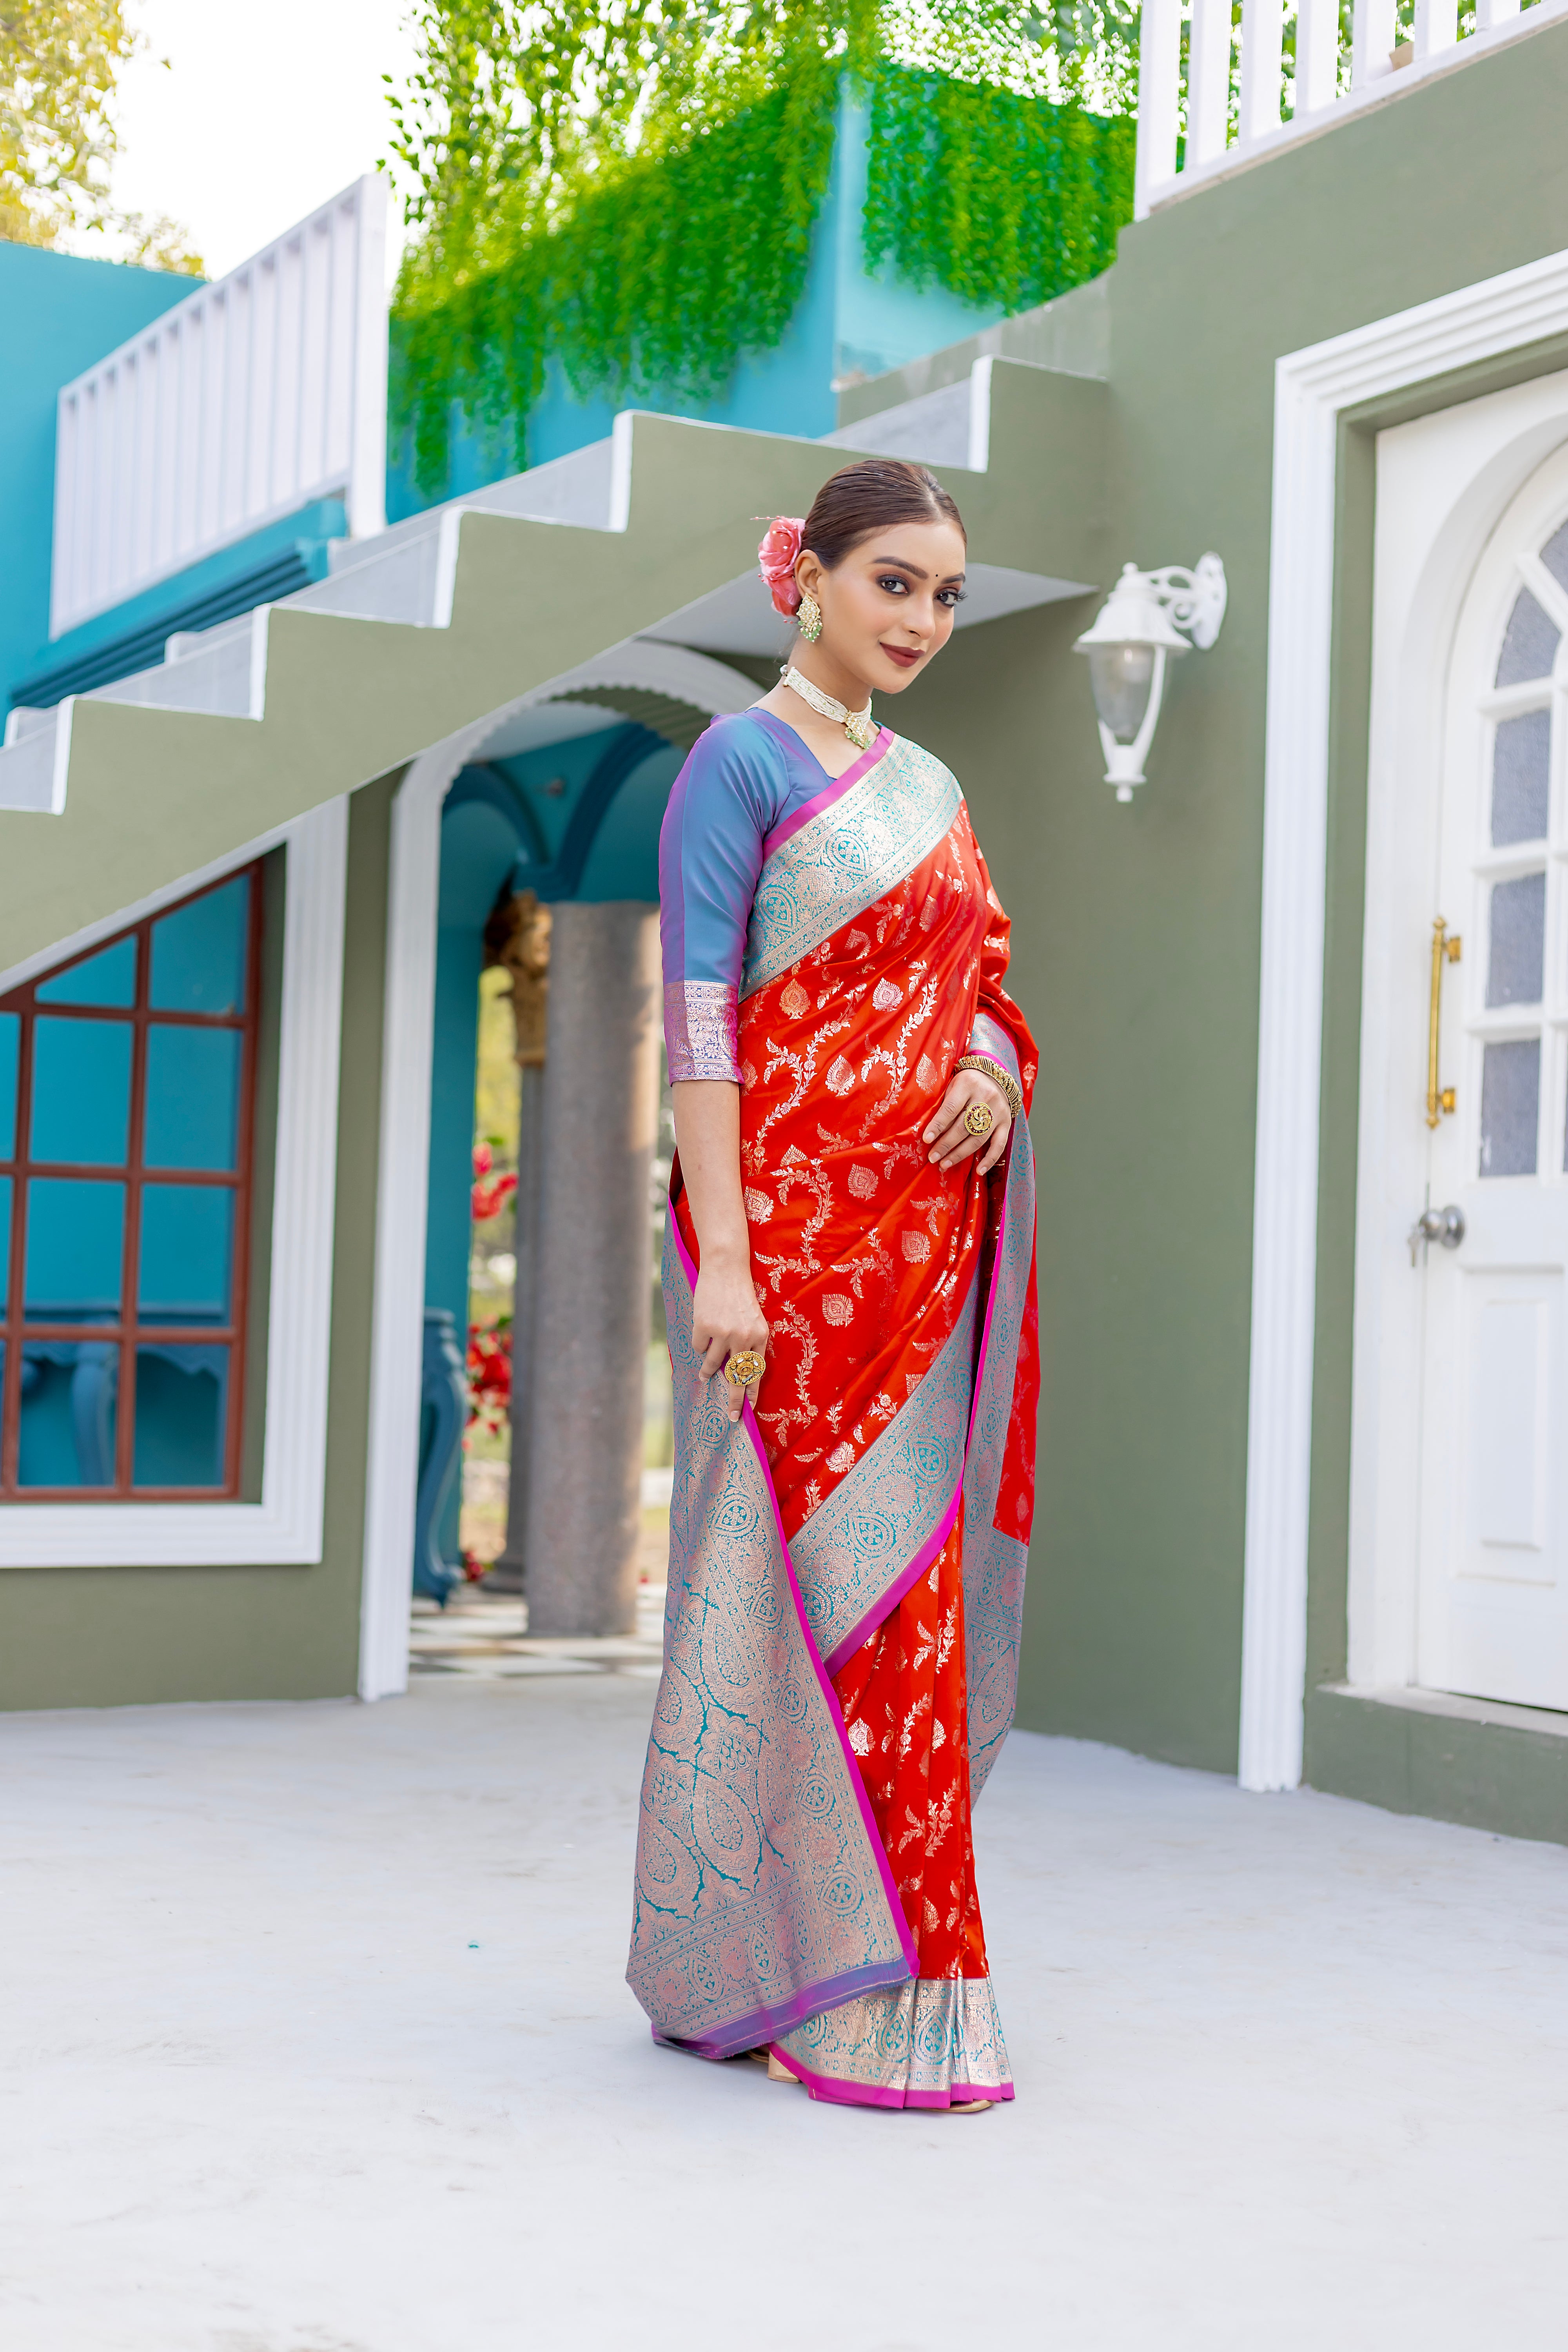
635 669
1459 1501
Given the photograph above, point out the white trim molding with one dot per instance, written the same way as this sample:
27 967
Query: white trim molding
285 1526
1312 388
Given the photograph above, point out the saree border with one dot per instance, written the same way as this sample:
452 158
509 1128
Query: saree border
869 1497
832 790
842 860
795 2006
992 1573
994 1562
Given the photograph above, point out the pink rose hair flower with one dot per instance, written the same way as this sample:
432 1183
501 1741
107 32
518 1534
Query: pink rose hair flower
776 560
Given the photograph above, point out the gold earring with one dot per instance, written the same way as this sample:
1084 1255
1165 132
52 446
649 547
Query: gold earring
808 620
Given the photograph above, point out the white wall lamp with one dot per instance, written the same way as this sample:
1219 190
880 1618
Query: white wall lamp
1138 628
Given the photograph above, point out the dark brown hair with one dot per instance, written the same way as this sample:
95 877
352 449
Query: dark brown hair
870 496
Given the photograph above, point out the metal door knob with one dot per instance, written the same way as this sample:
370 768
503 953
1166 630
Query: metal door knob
1443 1226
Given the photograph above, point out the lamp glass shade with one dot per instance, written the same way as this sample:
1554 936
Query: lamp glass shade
1120 679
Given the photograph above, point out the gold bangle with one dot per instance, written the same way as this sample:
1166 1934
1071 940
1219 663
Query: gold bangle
1006 1085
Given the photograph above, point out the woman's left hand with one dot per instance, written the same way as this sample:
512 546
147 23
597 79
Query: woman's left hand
949 1140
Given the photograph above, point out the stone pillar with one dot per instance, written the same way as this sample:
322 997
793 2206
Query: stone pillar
599 1125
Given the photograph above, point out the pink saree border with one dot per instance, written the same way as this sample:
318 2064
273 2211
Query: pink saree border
833 789
838 2093
835 1713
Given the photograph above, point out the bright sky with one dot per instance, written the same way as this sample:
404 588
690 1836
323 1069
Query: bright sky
263 113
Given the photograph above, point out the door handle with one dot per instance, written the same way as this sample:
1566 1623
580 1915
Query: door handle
1440 1098
1443 1226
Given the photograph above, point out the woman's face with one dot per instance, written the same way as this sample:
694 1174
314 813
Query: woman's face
889 605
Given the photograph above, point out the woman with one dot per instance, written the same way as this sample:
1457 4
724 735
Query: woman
849 1278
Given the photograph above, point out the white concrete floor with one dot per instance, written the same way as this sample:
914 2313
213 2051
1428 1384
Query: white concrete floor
315 2040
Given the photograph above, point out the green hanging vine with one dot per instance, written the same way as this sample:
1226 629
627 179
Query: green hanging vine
629 187
1001 199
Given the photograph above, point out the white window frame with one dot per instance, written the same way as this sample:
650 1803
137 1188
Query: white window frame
285 1528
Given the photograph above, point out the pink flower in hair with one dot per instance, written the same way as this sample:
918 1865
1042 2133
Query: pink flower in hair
776 560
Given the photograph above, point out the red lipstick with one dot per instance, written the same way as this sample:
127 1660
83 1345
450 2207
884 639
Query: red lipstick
905 656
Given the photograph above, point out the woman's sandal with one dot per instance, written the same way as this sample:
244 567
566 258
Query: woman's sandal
969 2106
778 2072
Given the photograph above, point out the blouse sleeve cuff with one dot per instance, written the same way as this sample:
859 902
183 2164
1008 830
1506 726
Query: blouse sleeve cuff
700 1030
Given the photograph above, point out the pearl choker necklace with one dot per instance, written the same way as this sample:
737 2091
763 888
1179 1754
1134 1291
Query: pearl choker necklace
859 725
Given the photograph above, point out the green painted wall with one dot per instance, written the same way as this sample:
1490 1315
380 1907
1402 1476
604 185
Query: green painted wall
95 1637
1138 929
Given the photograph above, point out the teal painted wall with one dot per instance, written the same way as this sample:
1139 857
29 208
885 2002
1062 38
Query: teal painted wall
57 315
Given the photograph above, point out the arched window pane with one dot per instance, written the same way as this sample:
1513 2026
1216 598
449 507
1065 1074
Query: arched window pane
81 1091
1521 777
69 1417
107 978
1510 1107
198 954
187 1252
1518 959
182 1415
1531 645
193 1098
76 1229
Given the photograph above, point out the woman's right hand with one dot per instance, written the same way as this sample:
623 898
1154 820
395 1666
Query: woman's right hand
726 1321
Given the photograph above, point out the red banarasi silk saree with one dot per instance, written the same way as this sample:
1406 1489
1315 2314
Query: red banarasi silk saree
847 1563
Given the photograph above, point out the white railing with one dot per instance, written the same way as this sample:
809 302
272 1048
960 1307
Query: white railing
1234 107
259 393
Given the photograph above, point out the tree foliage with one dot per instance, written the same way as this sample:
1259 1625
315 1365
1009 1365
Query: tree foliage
629 187
59 60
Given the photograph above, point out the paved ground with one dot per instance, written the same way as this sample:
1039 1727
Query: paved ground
486 1634
315 2040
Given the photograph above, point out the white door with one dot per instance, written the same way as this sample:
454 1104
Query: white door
1493 1541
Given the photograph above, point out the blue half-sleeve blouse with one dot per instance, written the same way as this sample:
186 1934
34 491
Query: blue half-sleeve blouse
745 775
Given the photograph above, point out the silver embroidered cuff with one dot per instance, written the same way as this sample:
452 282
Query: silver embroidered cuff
700 1030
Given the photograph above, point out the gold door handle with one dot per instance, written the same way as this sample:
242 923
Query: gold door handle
1444 949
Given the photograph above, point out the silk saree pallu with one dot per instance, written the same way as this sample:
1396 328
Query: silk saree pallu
846 1562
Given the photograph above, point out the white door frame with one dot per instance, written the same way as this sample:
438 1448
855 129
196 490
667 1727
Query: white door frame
1312 388
1444 486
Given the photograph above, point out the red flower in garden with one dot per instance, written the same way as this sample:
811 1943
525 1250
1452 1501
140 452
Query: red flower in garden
489 1373
489 1200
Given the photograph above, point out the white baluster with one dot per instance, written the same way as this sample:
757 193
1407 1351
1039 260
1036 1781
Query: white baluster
1208 81
1491 13
1371 41
1437 26
1159 67
1316 55
1262 23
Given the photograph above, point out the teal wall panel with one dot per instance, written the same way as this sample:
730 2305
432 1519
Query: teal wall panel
57 315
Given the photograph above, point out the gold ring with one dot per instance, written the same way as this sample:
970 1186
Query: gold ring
978 1120
744 1369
